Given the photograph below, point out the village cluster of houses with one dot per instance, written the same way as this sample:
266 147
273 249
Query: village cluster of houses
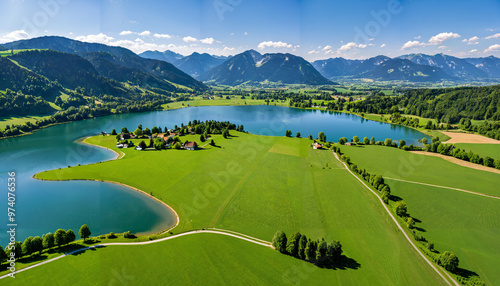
163 136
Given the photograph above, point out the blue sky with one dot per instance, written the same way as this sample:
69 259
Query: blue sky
314 29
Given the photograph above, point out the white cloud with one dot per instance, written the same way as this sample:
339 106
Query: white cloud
227 49
472 51
326 48
442 47
125 33
497 35
361 46
371 39
272 44
412 44
246 33
99 38
471 41
162 36
145 33
493 48
189 39
383 45
313 52
417 37
207 41
441 37
14 36
347 47
490 29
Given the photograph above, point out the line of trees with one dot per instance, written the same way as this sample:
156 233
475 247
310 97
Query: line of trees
37 244
318 252
446 259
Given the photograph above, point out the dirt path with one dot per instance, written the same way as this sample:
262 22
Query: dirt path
459 162
434 267
468 138
220 232
443 187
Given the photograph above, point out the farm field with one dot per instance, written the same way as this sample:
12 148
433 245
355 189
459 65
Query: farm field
255 185
463 223
198 101
490 150
4 121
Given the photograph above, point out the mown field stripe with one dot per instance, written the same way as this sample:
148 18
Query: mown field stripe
402 230
444 187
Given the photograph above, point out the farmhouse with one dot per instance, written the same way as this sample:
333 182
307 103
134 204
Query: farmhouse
317 146
190 146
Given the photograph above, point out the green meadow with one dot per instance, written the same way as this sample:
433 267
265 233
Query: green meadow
254 185
466 224
4 121
198 101
483 150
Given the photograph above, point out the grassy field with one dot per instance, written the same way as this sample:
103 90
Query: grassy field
466 224
4 121
198 101
491 150
254 185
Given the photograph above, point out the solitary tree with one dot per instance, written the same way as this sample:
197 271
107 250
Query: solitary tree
310 252
302 246
37 244
48 240
60 237
334 250
388 142
292 246
27 246
355 139
449 261
321 252
3 255
16 248
322 137
70 236
279 241
310 137
113 132
84 232
342 140
288 133
366 141
410 223
372 141
401 209
202 138
297 135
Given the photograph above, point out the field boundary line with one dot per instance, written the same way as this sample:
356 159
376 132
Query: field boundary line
444 187
222 232
434 267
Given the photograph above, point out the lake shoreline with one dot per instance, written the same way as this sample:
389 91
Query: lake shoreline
118 156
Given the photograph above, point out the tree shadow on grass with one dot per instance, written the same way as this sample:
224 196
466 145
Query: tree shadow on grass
395 198
420 229
88 249
342 263
466 273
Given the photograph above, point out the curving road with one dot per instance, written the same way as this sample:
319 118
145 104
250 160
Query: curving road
435 267
215 231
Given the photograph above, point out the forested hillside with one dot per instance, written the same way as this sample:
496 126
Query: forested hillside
446 105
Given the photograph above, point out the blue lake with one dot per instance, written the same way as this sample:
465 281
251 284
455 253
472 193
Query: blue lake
46 206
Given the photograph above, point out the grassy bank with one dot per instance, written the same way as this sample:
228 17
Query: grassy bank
256 185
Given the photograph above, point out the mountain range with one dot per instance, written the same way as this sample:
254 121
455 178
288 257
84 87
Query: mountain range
115 63
412 67
252 66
